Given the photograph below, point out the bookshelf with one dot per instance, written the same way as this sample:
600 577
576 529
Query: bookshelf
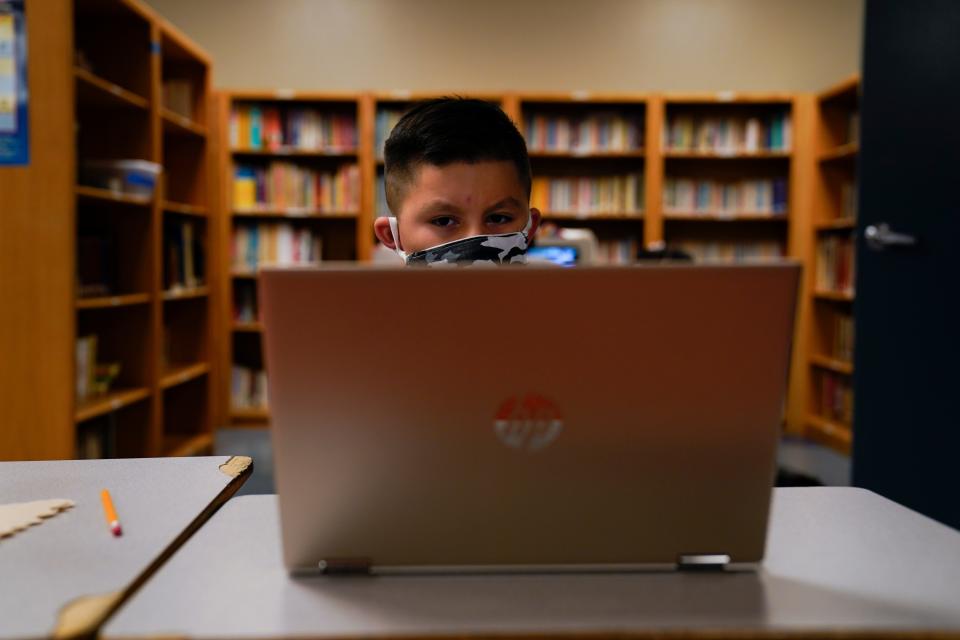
131 317
828 370
291 192
590 159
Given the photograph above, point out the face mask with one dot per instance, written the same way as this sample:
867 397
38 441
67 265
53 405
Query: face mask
495 250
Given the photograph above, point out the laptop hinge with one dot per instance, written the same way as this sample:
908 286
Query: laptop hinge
345 566
703 561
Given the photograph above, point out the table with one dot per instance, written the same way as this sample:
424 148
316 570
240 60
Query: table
839 560
66 575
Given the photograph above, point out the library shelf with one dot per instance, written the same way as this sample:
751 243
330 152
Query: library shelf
838 224
684 154
731 97
836 435
723 217
241 274
106 195
248 327
297 153
845 151
586 217
109 402
178 374
171 295
185 209
587 155
845 90
294 214
175 445
108 302
250 415
92 90
177 124
834 296
831 364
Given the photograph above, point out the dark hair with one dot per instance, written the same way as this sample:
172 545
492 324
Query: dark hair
447 130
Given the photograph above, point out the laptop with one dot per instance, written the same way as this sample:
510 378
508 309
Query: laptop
597 418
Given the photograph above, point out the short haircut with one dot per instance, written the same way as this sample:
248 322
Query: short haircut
443 131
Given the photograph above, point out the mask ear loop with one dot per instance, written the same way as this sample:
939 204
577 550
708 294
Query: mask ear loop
395 232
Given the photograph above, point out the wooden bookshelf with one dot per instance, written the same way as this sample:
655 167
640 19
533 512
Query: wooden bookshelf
99 75
340 231
828 307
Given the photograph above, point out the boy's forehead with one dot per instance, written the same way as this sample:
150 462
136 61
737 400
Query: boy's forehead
466 180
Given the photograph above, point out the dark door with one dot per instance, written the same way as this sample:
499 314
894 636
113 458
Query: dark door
906 439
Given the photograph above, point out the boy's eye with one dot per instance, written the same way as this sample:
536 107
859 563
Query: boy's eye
443 221
499 218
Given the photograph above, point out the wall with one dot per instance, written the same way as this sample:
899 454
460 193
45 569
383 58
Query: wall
612 45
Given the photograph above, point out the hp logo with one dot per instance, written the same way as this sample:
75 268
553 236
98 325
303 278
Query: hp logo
528 423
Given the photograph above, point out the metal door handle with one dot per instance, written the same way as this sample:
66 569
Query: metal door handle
879 237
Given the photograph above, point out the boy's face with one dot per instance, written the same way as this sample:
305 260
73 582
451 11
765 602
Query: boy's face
459 200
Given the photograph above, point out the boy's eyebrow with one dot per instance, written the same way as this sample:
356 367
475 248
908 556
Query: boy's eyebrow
506 202
439 206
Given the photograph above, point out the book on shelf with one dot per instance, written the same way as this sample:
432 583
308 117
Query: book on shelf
730 251
97 438
836 397
596 132
843 328
386 120
285 186
178 96
96 264
619 251
848 201
588 195
729 135
245 303
725 197
91 377
273 128
248 388
283 243
184 256
836 263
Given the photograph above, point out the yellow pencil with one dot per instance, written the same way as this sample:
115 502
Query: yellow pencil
112 520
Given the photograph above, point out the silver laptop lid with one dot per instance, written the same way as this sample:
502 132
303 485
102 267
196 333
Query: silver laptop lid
527 417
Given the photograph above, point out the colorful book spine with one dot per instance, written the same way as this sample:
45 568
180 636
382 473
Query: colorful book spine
588 195
386 120
592 133
620 251
730 135
255 126
725 198
836 397
836 263
254 245
290 188
730 251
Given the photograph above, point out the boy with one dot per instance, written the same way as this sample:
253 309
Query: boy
457 180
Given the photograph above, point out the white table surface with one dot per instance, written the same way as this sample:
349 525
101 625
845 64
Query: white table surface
73 557
838 559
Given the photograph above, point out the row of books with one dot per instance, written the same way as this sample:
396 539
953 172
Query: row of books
588 195
248 388
620 251
733 134
836 263
731 251
184 256
715 197
386 120
592 133
836 397
848 201
91 378
253 245
843 337
285 186
245 303
272 128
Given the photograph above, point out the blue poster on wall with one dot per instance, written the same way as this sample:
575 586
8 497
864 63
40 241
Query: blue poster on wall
14 112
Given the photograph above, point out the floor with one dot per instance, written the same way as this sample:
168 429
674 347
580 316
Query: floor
801 462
